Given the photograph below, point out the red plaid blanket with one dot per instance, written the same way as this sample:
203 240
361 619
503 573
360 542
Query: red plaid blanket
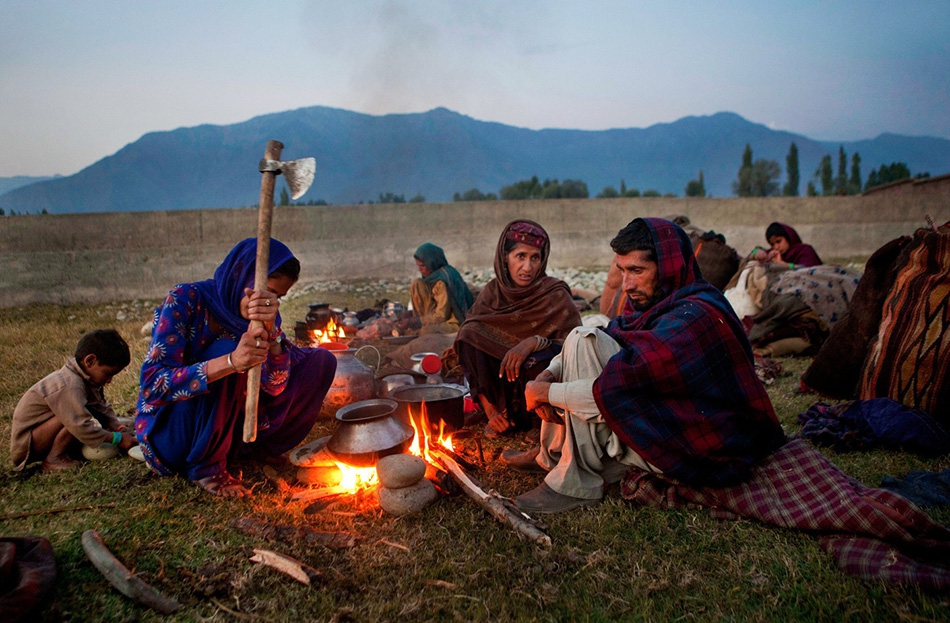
874 534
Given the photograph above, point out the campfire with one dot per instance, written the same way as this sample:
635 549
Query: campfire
422 445
443 466
330 333
322 325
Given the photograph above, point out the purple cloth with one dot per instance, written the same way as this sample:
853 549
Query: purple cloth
683 391
873 423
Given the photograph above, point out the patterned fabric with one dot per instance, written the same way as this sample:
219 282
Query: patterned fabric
836 369
433 258
683 392
910 359
528 233
872 533
175 366
186 425
798 252
826 289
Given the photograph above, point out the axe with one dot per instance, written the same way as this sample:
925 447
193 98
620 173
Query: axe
299 176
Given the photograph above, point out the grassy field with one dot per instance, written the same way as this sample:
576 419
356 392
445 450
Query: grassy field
452 562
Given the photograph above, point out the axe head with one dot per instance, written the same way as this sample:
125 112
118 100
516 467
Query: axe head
299 173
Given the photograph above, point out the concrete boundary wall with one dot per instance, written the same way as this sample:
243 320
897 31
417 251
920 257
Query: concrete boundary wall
122 256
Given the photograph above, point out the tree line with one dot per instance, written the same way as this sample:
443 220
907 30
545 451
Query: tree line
760 178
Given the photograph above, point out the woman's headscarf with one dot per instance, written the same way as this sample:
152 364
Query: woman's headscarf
224 292
433 258
505 313
798 252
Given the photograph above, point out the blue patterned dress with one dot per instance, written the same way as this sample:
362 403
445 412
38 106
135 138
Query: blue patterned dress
190 427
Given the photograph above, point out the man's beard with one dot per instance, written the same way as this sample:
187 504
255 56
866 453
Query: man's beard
642 305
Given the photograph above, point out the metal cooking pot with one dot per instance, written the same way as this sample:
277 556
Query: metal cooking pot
443 402
394 381
367 431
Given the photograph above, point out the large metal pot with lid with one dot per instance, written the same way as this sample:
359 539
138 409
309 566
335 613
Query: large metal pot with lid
367 431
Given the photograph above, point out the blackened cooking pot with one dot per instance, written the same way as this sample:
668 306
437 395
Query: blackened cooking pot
443 402
367 431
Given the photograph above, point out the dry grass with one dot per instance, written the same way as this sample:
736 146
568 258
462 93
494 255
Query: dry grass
451 563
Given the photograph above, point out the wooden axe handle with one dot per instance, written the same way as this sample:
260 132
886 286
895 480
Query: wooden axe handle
265 217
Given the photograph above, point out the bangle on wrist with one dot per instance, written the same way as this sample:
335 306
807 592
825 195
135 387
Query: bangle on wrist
234 367
792 266
116 438
542 343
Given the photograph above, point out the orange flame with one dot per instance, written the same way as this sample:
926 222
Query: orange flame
356 478
421 440
330 333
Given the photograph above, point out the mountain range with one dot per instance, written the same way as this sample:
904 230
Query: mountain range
437 154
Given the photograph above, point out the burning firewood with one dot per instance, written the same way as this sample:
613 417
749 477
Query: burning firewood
524 525
124 580
293 534
302 572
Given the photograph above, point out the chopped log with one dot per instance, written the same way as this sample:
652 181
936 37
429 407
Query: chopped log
324 503
302 572
458 458
525 527
292 534
315 494
124 580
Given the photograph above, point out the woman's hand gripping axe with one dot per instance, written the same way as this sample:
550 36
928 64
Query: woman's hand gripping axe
299 176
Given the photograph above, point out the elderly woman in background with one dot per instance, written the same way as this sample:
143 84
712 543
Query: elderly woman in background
193 384
515 327
440 298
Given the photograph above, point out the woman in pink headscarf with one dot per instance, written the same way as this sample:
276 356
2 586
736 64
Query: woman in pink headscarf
515 327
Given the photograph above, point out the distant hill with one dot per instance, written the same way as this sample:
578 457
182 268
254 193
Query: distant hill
10 183
437 153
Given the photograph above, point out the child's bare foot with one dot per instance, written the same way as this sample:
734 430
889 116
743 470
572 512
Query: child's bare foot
223 484
59 464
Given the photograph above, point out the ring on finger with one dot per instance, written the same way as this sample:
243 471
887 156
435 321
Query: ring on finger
267 304
258 343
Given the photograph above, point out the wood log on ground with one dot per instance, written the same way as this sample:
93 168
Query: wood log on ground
124 580
525 527
292 534
302 572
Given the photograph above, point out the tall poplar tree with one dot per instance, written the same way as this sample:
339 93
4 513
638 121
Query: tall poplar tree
742 187
841 181
791 169
854 183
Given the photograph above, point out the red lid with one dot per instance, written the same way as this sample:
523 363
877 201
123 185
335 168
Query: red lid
431 364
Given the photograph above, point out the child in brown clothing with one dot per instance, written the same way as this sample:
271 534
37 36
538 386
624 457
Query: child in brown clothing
69 405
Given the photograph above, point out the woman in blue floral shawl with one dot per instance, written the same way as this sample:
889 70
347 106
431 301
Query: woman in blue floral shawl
190 410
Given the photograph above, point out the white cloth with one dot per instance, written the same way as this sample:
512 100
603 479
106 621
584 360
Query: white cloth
583 454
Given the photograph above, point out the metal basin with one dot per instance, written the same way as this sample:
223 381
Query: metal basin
443 402
367 431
